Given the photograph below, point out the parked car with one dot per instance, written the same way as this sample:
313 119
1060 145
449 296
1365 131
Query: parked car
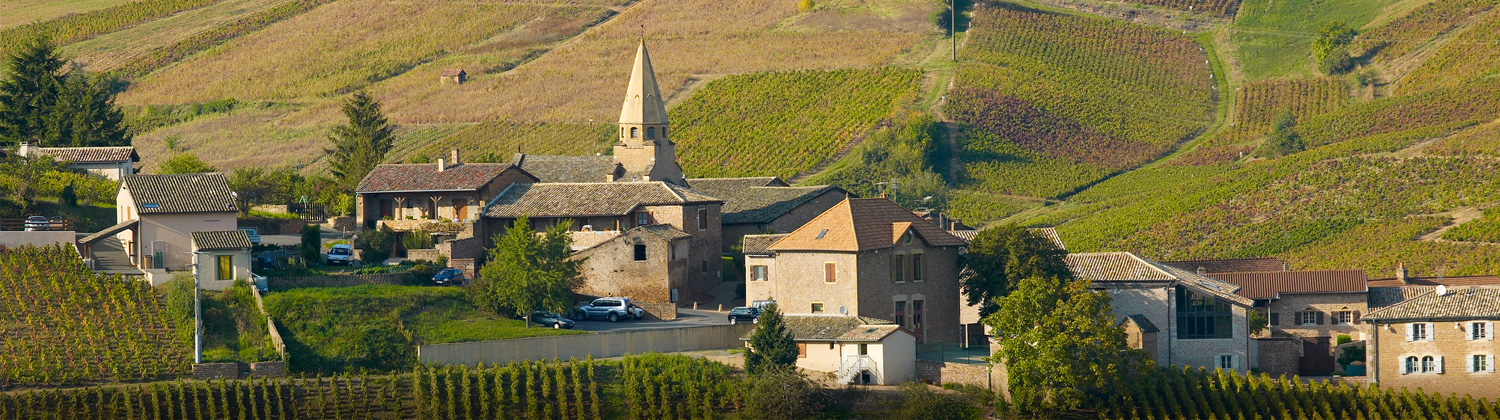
448 277
35 223
612 308
340 254
762 304
548 319
744 314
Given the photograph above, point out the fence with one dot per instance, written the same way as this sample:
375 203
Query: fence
270 323
344 280
601 345
37 224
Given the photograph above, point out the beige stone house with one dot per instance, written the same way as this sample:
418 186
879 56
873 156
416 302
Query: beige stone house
867 257
623 207
1193 320
108 162
856 349
766 205
407 195
1315 306
157 215
649 263
220 258
1441 340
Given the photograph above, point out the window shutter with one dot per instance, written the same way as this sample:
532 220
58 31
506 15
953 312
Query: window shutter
1234 362
1469 364
1356 317
1319 315
1409 329
1440 364
1489 363
1489 330
1405 366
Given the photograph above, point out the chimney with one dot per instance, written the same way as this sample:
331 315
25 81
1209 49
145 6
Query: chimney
1401 272
442 165
455 157
1202 270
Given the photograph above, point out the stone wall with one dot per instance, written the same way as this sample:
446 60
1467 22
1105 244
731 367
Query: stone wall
206 371
268 369
284 283
344 223
957 373
466 265
1279 355
1448 344
422 254
660 311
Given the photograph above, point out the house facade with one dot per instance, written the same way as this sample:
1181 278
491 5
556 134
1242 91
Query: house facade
1199 321
449 190
648 263
857 350
763 205
108 162
863 257
1441 340
221 258
157 215
1318 307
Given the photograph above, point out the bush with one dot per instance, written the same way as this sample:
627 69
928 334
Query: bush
377 245
921 403
312 244
417 239
779 394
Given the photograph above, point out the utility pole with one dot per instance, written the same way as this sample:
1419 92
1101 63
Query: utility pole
953 26
197 311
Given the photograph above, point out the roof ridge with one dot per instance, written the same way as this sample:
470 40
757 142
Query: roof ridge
1385 308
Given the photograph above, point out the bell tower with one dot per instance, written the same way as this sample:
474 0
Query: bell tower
644 148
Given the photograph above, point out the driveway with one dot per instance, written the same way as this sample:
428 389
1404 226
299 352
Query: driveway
685 318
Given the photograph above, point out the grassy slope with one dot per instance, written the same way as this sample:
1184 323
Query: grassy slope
20 12
1274 36
105 52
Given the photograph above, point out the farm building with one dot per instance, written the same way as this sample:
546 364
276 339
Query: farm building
454 76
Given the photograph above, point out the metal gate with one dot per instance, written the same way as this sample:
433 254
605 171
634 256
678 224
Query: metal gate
1317 357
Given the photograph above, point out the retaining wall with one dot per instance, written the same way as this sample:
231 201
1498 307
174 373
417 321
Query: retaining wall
601 345
956 373
284 283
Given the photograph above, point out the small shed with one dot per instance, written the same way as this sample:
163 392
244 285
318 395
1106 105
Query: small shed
454 76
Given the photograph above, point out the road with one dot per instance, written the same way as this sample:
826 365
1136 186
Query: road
685 318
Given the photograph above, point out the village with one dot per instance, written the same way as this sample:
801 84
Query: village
872 292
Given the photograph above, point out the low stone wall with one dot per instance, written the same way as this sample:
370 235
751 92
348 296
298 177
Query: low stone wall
285 283
466 265
956 373
1279 356
276 340
600 345
659 311
230 370
274 226
344 223
423 254
268 369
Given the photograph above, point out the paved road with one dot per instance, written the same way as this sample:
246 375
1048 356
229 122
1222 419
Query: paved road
685 318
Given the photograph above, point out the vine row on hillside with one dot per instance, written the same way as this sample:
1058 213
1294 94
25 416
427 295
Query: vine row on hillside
77 27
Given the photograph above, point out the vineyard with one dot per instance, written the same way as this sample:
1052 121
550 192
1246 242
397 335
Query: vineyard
638 387
1210 7
1257 104
1486 229
163 56
77 27
64 324
1471 56
497 140
766 124
1202 394
1071 99
1400 36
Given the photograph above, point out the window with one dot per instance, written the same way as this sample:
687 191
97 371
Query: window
635 132
1307 318
650 132
702 218
801 350
1411 365
1226 362
916 315
830 271
758 272
642 218
1201 316
1416 332
817 308
640 252
901 313
1343 318
1479 363
821 233
663 132
917 267
1479 331
705 266
864 349
226 267
897 273
1428 364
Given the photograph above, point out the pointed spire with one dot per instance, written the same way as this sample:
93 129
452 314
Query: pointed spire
643 102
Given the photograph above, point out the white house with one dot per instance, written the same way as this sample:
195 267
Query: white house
857 349
109 162
221 258
157 215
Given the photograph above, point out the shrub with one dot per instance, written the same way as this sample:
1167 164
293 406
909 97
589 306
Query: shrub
779 394
417 239
919 402
376 245
312 244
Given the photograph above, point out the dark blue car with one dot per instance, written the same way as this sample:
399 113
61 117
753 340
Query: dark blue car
448 277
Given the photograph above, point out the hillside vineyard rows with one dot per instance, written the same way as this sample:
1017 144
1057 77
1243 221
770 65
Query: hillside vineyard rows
77 27
61 323
1257 105
1398 37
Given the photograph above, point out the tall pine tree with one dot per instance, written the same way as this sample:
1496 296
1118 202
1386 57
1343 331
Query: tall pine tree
362 143
771 345
28 94
44 106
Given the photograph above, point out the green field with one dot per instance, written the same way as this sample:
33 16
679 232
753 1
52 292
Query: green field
1274 37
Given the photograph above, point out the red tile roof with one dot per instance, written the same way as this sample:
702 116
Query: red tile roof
1230 265
1272 284
1434 281
860 224
426 177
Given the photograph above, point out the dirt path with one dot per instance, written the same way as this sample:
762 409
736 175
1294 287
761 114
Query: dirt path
1459 215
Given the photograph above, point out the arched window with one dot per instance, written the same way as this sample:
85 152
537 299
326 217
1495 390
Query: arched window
663 132
1428 365
635 132
1411 364
650 132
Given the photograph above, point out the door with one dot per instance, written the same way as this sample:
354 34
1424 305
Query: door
460 210
387 209
916 318
1317 357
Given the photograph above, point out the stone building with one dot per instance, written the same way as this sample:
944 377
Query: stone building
108 162
1441 340
1315 306
762 205
1200 321
855 349
221 258
649 263
406 195
454 76
867 257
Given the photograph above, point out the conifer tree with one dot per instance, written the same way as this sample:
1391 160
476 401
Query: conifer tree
29 91
361 143
771 345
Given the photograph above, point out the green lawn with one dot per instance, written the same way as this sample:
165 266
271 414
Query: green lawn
1274 36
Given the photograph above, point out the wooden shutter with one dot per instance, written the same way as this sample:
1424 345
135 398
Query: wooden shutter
1489 331
801 350
1410 330
1469 364
1489 363
1356 317
1319 317
1274 319
1440 364
829 271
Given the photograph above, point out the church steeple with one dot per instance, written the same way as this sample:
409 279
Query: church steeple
644 149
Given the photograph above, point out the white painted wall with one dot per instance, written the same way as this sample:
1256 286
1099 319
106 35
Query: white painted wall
208 268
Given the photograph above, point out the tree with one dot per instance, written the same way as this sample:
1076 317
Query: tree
376 245
85 114
22 177
312 244
27 96
254 185
921 403
527 272
771 345
1060 346
184 163
362 143
1257 322
1283 139
1331 49
1002 255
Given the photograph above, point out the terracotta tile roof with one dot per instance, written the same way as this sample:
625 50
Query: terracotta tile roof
1231 265
221 239
1127 267
724 187
1434 281
587 199
764 204
585 240
560 168
816 327
1272 284
860 224
426 177
180 193
1050 234
1458 303
664 231
89 154
759 244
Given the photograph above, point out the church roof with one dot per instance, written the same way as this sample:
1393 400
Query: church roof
643 101
562 168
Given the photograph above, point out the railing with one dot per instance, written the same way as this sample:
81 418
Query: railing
31 225
853 365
